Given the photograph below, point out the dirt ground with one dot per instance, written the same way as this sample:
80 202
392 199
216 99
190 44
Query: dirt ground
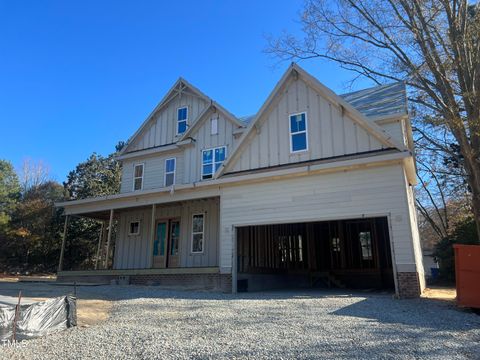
91 312
440 293
91 309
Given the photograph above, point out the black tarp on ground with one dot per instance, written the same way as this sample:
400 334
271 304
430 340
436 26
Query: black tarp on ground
38 319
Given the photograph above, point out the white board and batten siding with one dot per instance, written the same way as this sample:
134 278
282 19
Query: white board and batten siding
153 171
135 251
162 128
397 130
379 191
204 139
330 132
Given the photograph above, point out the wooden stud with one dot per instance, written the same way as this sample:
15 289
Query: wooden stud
109 237
100 237
62 251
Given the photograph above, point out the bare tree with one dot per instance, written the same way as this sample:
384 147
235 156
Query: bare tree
33 174
432 45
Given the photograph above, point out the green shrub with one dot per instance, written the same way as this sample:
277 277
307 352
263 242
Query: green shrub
464 233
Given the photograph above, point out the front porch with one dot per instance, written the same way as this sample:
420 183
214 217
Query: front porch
173 244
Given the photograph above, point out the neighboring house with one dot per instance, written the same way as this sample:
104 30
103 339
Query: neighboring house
314 190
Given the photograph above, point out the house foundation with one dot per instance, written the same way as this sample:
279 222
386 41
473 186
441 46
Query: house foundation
408 285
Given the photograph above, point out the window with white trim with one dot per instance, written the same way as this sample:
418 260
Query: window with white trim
170 167
134 228
182 118
198 227
138 177
298 132
211 160
214 126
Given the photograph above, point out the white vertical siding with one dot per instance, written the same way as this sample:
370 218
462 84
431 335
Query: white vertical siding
205 140
351 194
330 132
154 171
161 129
135 252
188 168
396 130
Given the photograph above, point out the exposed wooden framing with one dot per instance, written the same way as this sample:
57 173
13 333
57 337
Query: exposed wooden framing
62 250
109 237
306 249
100 238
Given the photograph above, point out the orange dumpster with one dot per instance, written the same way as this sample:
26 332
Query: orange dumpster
467 274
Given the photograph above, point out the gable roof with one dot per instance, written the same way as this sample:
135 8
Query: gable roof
375 102
380 101
181 85
296 70
202 117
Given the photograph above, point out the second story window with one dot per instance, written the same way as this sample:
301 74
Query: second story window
298 132
138 177
211 161
182 118
170 165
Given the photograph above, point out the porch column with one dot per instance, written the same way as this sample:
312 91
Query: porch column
62 250
109 237
152 233
100 237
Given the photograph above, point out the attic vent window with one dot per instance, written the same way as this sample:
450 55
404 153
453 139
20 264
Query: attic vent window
298 132
214 126
182 118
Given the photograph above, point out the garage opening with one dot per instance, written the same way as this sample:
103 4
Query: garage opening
345 253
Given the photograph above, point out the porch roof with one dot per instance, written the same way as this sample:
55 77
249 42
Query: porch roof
100 206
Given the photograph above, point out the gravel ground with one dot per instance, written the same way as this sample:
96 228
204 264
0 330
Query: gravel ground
151 323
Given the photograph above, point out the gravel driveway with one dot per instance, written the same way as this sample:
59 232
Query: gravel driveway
149 323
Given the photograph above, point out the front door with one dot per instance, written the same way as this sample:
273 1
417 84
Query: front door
165 246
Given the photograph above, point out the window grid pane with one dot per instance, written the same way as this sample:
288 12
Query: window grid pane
298 132
197 233
169 179
170 165
212 159
182 114
299 141
138 184
138 170
182 126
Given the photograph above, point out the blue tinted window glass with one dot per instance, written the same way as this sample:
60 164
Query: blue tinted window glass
301 123
207 171
220 154
170 165
207 156
182 127
297 123
299 142
293 124
182 114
